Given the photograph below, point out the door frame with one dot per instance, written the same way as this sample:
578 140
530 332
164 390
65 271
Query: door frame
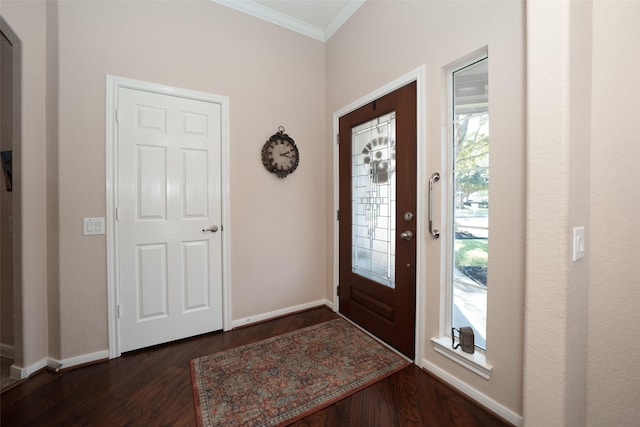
113 84
16 350
417 75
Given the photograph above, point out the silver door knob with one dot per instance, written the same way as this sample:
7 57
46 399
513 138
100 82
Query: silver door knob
406 235
212 229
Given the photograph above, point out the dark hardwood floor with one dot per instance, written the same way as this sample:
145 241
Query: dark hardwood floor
152 387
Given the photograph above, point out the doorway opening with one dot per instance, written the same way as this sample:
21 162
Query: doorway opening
10 211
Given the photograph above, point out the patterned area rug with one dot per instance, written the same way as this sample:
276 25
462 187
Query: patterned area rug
285 378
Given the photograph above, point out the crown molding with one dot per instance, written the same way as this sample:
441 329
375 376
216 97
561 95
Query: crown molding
341 18
266 14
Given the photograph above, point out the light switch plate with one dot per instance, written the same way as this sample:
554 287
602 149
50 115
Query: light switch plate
579 244
93 226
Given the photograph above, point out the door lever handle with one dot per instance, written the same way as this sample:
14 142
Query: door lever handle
212 229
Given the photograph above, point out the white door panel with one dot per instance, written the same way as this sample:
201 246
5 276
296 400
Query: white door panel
151 285
169 191
152 180
195 166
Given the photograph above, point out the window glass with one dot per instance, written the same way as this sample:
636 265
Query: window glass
374 199
470 166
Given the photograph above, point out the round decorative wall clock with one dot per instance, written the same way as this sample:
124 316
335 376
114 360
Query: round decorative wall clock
280 154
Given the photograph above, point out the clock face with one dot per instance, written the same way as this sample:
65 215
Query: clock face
280 155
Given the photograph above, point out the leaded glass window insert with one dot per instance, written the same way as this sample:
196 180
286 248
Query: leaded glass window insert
373 197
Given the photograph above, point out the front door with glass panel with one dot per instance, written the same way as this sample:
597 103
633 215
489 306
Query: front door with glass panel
377 273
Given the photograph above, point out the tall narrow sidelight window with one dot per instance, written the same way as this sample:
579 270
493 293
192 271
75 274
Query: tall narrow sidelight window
470 205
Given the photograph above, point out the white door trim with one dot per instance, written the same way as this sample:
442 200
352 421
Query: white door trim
113 84
417 75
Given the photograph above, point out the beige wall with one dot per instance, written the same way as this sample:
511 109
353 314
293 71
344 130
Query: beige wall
583 152
558 185
385 40
614 287
53 207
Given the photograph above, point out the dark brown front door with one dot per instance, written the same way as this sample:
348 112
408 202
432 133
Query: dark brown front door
377 156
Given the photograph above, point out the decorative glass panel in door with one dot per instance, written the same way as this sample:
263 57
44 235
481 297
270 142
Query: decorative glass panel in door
373 194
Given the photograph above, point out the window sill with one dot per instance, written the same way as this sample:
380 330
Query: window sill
475 362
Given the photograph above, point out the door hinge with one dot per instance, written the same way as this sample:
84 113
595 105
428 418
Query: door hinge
119 311
117 114
338 290
338 138
338 215
117 215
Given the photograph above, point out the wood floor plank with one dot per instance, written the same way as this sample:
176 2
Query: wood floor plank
152 387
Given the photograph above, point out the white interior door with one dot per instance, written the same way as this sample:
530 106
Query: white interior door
168 206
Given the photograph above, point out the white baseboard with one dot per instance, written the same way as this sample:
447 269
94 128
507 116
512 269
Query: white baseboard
277 313
6 350
56 365
18 373
474 394
22 373
329 304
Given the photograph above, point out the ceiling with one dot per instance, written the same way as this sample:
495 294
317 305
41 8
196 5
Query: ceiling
317 19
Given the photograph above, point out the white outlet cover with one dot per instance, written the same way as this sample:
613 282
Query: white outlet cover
93 226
